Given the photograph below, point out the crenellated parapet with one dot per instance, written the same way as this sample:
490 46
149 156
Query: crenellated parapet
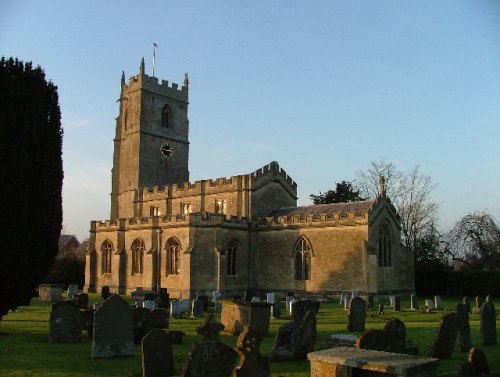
272 170
152 84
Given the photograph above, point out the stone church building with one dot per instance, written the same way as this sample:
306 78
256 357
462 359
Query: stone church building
229 234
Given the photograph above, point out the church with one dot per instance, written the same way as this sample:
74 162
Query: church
237 234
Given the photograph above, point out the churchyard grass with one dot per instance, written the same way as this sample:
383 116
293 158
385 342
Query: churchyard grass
26 352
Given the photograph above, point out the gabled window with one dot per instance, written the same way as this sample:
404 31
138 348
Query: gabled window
385 246
231 258
106 251
302 255
173 256
166 117
137 257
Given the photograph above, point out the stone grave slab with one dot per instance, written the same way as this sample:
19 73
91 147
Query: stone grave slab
238 314
276 310
157 354
65 324
197 308
175 308
49 292
72 290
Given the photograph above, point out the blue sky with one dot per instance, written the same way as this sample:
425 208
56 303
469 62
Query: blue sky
322 87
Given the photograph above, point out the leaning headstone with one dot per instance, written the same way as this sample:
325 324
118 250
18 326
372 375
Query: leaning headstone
157 354
438 305
413 302
83 300
65 324
185 306
276 310
197 308
270 298
397 303
105 292
72 290
296 338
381 309
488 324
288 300
466 302
356 315
391 339
446 335
252 363
148 304
113 329
476 365
210 357
175 309
428 304
464 339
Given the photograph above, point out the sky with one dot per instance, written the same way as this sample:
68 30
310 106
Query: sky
322 87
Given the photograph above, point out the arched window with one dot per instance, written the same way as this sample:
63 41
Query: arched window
302 255
385 246
166 117
106 252
137 257
231 258
173 256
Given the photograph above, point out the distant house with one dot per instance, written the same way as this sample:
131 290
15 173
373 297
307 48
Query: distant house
68 245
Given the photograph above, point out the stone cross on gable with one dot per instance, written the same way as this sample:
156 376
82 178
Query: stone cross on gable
210 328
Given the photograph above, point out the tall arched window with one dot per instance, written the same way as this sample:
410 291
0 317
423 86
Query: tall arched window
231 258
137 257
385 246
166 117
173 256
302 255
106 252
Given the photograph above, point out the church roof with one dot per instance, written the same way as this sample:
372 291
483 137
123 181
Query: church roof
316 210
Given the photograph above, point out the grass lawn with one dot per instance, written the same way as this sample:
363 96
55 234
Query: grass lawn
25 350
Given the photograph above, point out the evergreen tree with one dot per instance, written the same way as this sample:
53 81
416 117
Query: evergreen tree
344 192
31 175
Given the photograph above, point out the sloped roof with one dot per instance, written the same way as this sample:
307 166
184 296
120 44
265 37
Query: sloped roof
316 210
65 238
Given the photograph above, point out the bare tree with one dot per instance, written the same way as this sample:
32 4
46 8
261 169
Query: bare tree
411 194
475 241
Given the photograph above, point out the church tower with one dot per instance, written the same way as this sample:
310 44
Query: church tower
151 145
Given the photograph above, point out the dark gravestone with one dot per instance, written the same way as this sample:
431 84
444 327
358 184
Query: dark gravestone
276 310
197 308
88 321
204 300
476 365
58 304
446 335
479 302
105 292
316 306
65 325
150 296
296 338
397 303
83 300
466 302
369 303
464 340
145 320
252 363
391 339
356 315
113 329
210 357
157 355
176 336
413 302
163 300
488 324
381 309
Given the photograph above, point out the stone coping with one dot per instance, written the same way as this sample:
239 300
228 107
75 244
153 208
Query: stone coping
377 361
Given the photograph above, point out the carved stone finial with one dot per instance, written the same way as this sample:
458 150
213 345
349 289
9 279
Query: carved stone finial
382 185
123 79
186 80
142 68
210 328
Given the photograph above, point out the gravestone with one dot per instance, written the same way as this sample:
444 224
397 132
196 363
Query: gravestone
276 310
105 292
369 303
58 304
87 316
255 299
488 298
288 300
113 329
176 336
237 314
197 308
342 298
150 296
65 324
316 306
216 295
72 290
210 357
347 300
157 354
354 294
163 300
464 339
83 300
479 302
292 303
392 299
296 338
397 303
476 365
185 304
49 292
466 302
252 363
381 309
438 305
175 308
413 302
145 320
356 315
442 345
488 324
391 339
428 304
270 298
204 300
148 304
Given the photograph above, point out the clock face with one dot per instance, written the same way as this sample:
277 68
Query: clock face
166 150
